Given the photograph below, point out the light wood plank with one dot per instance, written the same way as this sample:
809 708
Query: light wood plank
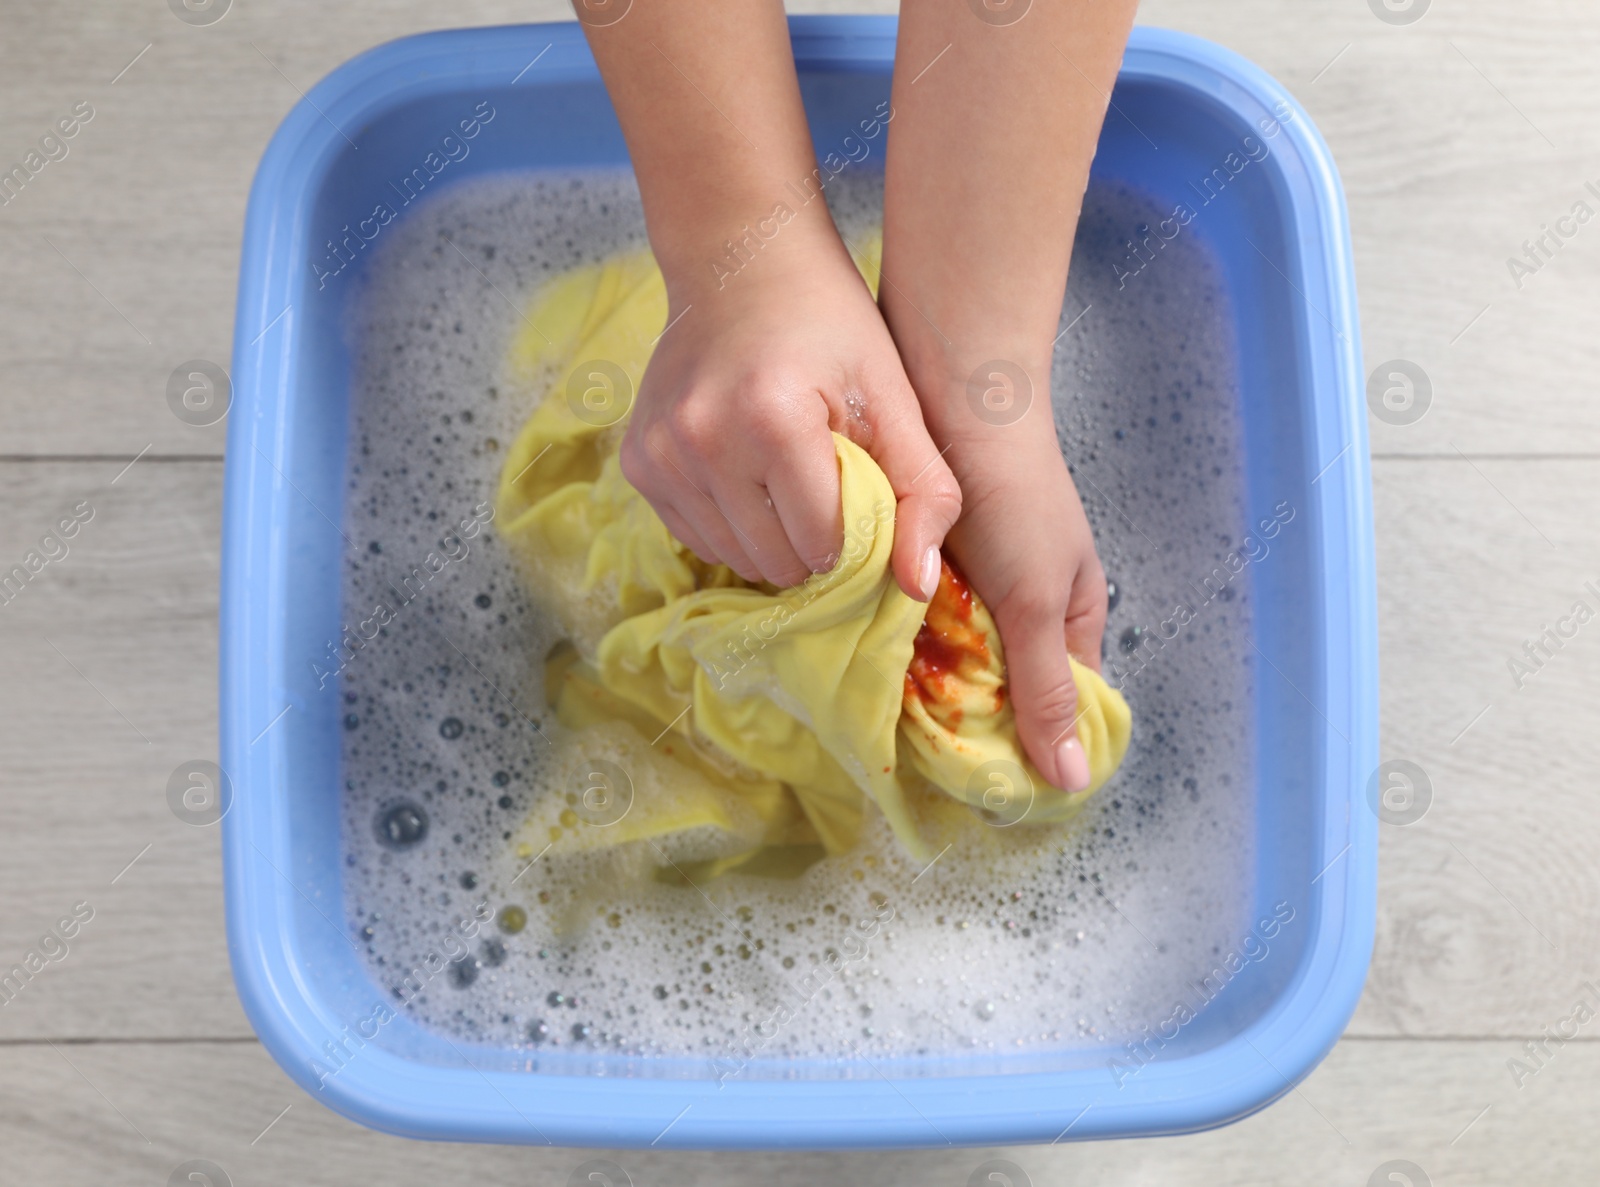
113 655
1486 921
148 208
1456 139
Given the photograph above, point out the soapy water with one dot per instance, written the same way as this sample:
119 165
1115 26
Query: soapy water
464 799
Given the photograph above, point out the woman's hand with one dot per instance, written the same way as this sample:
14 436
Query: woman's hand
730 438
730 433
995 124
1025 546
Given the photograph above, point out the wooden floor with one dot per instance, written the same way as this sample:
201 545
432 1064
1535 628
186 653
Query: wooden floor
1459 137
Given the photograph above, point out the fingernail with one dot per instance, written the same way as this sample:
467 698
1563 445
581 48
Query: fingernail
928 580
1072 765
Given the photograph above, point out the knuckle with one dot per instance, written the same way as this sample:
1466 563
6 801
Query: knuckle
811 527
772 427
791 425
820 540
1092 576
1032 608
697 545
785 386
1055 705
638 463
819 544
943 493
695 427
787 574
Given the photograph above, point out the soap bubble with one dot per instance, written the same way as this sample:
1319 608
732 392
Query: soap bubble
401 825
511 919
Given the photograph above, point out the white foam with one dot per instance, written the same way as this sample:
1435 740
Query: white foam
1034 944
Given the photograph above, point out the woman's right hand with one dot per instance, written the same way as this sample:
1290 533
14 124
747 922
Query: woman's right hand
730 438
1025 545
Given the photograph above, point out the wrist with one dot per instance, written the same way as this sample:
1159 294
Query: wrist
997 394
747 245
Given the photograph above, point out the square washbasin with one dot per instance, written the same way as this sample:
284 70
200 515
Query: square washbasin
1225 166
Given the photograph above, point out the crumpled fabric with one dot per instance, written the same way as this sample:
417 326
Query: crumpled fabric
780 714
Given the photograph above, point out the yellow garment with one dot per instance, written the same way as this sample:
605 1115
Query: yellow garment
959 724
783 710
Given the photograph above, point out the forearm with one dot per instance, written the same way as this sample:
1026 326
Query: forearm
710 106
988 160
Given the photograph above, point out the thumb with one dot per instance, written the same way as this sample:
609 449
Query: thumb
927 495
1043 694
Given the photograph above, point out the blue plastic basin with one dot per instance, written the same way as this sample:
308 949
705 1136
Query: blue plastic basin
1182 106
